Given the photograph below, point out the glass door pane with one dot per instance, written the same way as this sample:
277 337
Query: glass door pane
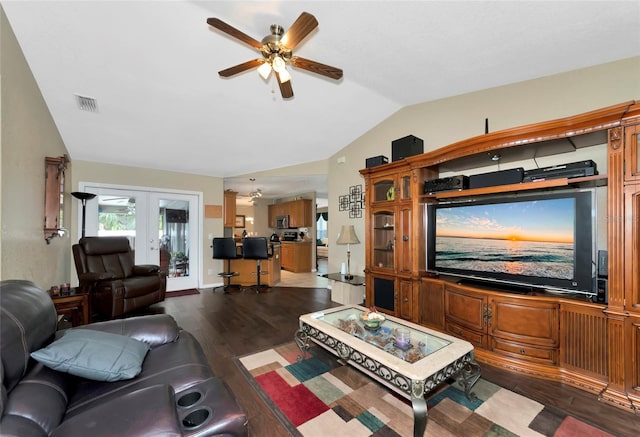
172 238
117 216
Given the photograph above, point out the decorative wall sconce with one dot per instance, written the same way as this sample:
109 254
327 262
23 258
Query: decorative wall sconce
54 196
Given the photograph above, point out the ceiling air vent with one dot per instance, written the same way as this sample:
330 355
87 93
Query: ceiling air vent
87 103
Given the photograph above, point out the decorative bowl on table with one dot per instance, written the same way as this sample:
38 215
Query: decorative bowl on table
372 319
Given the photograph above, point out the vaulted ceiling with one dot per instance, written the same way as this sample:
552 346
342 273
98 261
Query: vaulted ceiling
152 67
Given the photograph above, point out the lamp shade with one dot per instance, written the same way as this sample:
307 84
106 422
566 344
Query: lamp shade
347 235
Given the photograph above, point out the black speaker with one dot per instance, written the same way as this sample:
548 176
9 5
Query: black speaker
602 295
503 177
405 147
603 266
375 161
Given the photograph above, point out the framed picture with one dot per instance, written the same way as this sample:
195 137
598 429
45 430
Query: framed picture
239 221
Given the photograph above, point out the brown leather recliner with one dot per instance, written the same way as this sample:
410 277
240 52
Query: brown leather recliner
175 394
106 268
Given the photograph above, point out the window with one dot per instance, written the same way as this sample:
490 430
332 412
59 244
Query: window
321 225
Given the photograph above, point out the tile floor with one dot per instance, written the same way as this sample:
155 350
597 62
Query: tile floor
305 280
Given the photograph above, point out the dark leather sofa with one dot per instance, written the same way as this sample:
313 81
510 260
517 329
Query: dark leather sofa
106 268
175 394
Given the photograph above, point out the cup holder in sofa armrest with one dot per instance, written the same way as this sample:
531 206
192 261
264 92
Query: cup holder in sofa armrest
189 399
196 418
209 408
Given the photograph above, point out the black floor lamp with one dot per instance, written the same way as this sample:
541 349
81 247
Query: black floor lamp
83 198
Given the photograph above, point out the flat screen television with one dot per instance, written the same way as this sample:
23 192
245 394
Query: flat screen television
540 241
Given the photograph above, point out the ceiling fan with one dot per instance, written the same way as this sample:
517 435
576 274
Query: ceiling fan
277 52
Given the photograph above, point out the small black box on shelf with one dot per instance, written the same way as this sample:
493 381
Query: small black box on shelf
375 161
446 184
405 147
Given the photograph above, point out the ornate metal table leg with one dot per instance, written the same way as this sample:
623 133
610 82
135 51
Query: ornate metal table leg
470 375
343 352
419 405
302 340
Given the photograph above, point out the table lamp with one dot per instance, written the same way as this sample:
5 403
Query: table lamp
348 236
83 197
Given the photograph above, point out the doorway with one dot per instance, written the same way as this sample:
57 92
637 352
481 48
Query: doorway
162 228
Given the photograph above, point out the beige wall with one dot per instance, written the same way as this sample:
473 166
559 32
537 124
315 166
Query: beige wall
28 135
445 121
210 187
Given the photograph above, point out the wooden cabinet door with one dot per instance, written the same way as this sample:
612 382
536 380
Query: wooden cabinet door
583 339
300 213
632 247
432 303
383 238
384 189
404 239
272 216
405 298
465 308
632 153
381 293
632 363
524 321
286 254
229 209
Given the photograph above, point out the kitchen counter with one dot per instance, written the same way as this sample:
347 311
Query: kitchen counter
247 269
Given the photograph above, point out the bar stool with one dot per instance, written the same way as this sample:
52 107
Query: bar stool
225 249
258 249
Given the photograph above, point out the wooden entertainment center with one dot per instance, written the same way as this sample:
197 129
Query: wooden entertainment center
572 338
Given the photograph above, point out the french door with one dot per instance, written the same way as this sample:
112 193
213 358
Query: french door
162 228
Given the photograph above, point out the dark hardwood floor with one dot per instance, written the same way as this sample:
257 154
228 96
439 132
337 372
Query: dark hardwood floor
233 325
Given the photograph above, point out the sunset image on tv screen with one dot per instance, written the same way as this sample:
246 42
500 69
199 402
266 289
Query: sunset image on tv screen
533 238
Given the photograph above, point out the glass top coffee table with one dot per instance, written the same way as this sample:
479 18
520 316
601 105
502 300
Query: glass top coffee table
410 359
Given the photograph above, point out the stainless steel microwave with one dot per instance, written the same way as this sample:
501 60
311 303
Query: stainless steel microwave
282 222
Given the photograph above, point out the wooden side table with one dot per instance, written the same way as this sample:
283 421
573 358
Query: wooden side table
76 304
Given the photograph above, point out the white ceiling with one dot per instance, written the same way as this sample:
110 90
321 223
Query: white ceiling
152 66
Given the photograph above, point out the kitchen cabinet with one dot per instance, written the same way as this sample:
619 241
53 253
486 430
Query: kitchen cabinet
296 256
229 209
299 211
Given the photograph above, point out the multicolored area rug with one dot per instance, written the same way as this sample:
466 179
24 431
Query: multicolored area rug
320 397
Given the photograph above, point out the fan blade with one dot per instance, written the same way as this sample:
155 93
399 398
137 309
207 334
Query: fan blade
316 67
299 30
232 31
241 67
285 87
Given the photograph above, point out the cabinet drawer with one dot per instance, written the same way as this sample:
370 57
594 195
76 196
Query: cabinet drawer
478 339
527 352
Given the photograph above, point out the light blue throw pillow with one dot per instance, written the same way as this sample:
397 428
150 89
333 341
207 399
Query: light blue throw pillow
96 355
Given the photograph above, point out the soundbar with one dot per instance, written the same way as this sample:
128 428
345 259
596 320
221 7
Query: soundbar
501 177
571 170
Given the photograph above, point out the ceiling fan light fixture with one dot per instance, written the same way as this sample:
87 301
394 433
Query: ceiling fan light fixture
278 64
264 70
284 76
